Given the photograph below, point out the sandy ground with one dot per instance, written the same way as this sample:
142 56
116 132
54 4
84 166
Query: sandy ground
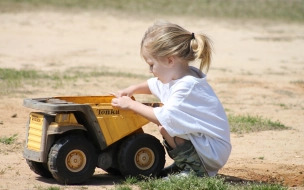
257 69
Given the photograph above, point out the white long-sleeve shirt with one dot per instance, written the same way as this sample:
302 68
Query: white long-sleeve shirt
193 112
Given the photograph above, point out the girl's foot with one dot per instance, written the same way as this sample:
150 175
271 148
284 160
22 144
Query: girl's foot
172 169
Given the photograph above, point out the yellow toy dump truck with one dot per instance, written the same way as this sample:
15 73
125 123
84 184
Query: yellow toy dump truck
71 136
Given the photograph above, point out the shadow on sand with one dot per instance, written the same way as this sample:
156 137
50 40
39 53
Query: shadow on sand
95 180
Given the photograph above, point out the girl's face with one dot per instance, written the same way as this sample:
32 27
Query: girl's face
159 68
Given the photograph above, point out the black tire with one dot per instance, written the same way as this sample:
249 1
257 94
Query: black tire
141 155
39 168
76 149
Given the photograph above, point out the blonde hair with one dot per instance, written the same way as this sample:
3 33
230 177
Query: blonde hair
165 39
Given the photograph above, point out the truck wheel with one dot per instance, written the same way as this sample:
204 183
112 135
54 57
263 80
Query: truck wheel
72 160
39 168
141 154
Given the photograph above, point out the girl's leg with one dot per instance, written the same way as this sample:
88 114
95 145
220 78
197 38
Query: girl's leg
183 153
173 143
169 144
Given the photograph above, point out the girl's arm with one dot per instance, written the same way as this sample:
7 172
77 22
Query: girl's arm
141 88
125 102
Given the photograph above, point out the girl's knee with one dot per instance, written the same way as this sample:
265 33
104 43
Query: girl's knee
162 131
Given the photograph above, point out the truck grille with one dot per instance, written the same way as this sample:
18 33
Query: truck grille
35 132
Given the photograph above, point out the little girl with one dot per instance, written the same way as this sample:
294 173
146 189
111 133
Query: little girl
192 120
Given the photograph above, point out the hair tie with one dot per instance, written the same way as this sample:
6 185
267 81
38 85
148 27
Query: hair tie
193 38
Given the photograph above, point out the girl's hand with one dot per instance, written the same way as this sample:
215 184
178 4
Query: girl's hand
122 102
126 102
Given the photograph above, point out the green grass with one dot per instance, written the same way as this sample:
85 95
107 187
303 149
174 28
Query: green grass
12 79
298 82
194 183
8 140
245 124
284 106
46 188
53 188
279 10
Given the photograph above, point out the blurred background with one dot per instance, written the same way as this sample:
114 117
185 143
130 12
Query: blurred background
274 10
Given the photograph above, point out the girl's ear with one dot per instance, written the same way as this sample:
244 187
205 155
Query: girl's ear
170 61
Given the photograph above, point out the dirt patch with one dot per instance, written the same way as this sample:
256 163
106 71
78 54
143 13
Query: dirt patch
256 70
288 175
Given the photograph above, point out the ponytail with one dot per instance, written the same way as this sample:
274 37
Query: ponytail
201 46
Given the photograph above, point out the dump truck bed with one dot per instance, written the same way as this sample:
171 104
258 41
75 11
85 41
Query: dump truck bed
69 103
